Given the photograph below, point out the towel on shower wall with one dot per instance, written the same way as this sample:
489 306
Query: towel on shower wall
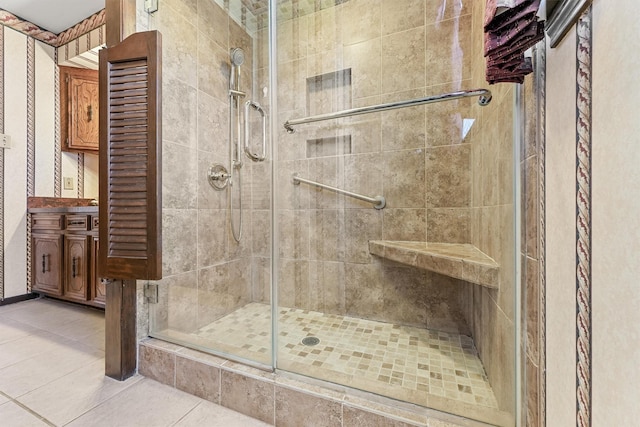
511 27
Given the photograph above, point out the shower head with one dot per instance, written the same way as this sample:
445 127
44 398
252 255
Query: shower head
237 56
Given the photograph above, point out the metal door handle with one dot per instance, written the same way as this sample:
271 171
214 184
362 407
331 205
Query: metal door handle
89 112
44 263
73 267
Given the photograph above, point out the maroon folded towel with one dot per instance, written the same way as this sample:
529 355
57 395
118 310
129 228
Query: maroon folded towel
515 9
492 7
498 47
511 27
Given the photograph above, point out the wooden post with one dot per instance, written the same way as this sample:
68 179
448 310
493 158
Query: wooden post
120 20
120 306
120 329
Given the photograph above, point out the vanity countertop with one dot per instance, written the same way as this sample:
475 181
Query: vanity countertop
65 209
61 205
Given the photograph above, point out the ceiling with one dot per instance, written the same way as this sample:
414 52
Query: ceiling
53 15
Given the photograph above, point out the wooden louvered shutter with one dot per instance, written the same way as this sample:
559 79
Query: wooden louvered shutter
130 159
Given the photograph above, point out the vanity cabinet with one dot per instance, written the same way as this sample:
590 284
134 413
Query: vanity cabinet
47 264
79 109
65 255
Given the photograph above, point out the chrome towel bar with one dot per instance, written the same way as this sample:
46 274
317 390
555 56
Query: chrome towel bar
483 94
378 202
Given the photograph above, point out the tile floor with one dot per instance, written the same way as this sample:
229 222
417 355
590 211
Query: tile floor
52 374
407 363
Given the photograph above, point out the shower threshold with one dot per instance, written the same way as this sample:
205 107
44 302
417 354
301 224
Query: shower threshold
435 369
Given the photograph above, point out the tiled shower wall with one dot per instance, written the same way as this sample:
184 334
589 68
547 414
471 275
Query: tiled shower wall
418 158
30 118
206 272
491 311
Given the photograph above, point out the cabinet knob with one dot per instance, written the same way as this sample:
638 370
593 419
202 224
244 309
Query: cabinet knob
44 263
89 112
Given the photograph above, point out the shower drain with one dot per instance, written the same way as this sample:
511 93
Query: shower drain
310 341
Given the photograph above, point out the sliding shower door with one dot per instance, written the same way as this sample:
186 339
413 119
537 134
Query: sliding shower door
216 292
413 298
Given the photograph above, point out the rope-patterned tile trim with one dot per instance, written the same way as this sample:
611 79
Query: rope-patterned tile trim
57 149
81 175
583 220
542 113
31 142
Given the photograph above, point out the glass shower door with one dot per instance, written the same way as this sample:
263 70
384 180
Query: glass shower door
215 294
414 300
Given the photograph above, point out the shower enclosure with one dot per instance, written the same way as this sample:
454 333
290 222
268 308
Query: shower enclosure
339 197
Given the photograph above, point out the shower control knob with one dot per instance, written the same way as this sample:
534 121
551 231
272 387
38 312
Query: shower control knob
218 176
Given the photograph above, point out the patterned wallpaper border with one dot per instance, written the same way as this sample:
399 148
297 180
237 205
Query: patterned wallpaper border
91 23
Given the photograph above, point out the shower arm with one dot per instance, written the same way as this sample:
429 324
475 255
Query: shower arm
483 94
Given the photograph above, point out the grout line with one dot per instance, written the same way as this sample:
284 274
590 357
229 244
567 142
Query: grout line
26 408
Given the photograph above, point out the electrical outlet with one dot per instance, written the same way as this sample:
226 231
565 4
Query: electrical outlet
5 141
68 183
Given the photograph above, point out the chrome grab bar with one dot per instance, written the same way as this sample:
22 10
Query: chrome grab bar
483 94
378 202
254 156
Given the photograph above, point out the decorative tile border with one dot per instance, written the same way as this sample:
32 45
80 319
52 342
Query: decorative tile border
31 142
583 219
80 175
57 146
541 79
10 20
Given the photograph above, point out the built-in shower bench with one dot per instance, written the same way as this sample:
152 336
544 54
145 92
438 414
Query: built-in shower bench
461 261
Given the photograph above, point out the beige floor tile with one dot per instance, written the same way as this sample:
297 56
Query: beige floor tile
11 329
95 340
82 328
68 397
48 315
13 415
146 403
3 399
210 414
29 346
32 373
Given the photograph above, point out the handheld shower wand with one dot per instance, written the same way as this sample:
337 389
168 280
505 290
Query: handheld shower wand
236 56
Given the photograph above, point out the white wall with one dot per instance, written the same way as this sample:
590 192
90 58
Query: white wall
15 163
615 221
616 213
14 187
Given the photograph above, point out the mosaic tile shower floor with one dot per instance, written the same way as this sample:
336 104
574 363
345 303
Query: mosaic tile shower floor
412 364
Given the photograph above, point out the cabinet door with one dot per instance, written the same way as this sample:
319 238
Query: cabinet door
98 289
79 109
76 263
46 265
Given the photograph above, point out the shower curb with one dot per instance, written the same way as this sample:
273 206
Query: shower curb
274 397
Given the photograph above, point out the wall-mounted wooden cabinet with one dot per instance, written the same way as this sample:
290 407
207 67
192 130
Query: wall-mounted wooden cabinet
79 110
65 256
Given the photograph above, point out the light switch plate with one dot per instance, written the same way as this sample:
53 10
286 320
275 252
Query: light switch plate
5 141
68 183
